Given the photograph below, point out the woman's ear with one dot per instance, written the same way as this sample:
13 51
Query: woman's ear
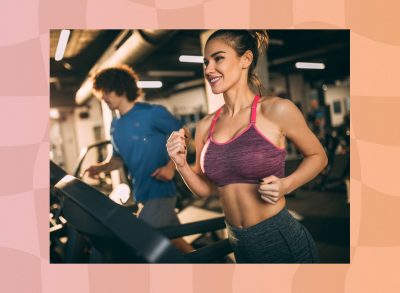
247 58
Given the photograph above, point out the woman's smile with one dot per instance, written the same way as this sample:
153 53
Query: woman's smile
214 80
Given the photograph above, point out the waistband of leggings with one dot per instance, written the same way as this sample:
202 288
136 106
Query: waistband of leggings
272 221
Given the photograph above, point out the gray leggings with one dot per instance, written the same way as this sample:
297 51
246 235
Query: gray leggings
279 239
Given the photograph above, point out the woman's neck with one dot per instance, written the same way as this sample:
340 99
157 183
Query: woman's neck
237 100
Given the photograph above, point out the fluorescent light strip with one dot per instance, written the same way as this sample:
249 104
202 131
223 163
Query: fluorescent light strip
149 84
62 44
170 73
310 65
191 59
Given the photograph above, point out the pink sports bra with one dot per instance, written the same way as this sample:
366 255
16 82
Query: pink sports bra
245 158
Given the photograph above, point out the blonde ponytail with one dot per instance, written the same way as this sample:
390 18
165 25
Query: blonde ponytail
256 82
261 38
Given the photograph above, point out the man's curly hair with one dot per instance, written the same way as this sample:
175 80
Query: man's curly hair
119 79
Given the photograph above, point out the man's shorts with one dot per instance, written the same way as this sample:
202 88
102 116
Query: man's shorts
159 212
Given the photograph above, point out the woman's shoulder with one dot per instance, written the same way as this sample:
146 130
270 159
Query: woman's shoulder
203 126
205 122
277 107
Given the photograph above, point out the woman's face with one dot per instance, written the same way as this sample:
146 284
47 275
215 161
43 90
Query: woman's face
223 67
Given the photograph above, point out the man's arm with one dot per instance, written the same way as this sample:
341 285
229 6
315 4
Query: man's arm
106 166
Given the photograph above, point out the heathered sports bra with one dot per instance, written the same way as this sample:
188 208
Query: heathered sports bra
245 158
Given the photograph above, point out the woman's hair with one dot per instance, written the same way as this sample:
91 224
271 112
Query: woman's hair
119 79
241 41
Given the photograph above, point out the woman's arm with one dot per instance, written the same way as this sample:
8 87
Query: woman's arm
194 178
167 172
295 128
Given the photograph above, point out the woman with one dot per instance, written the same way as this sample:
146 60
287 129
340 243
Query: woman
240 150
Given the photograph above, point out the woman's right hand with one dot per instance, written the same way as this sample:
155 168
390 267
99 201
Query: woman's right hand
176 147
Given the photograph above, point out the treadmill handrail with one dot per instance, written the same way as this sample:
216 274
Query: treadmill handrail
199 227
211 252
153 246
84 152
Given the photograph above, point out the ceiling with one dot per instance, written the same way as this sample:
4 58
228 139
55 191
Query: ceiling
86 47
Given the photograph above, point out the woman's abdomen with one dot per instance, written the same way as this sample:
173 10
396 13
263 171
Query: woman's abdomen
243 205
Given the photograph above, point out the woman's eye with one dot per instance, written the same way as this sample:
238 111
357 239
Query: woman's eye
218 58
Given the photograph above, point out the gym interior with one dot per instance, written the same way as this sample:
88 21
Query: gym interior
94 220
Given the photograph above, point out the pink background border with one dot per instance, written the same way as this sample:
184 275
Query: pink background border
375 145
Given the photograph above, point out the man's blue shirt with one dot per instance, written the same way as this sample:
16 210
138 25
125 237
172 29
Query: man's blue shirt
139 137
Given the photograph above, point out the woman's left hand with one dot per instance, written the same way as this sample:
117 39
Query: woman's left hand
271 189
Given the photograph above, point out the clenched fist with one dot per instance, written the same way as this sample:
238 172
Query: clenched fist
271 189
176 147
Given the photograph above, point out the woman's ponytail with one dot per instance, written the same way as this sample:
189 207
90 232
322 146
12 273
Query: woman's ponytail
260 39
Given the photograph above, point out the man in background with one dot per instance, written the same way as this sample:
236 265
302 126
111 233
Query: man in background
138 138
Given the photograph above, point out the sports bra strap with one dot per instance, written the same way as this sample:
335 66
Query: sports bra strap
254 110
214 121
252 120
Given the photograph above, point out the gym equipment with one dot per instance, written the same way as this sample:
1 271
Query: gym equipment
85 151
58 229
111 229
184 195
338 168
103 185
122 238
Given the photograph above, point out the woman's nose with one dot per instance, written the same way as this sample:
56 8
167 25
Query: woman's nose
209 69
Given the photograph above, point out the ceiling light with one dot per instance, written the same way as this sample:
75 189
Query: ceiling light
62 44
170 73
191 59
310 65
276 42
149 84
